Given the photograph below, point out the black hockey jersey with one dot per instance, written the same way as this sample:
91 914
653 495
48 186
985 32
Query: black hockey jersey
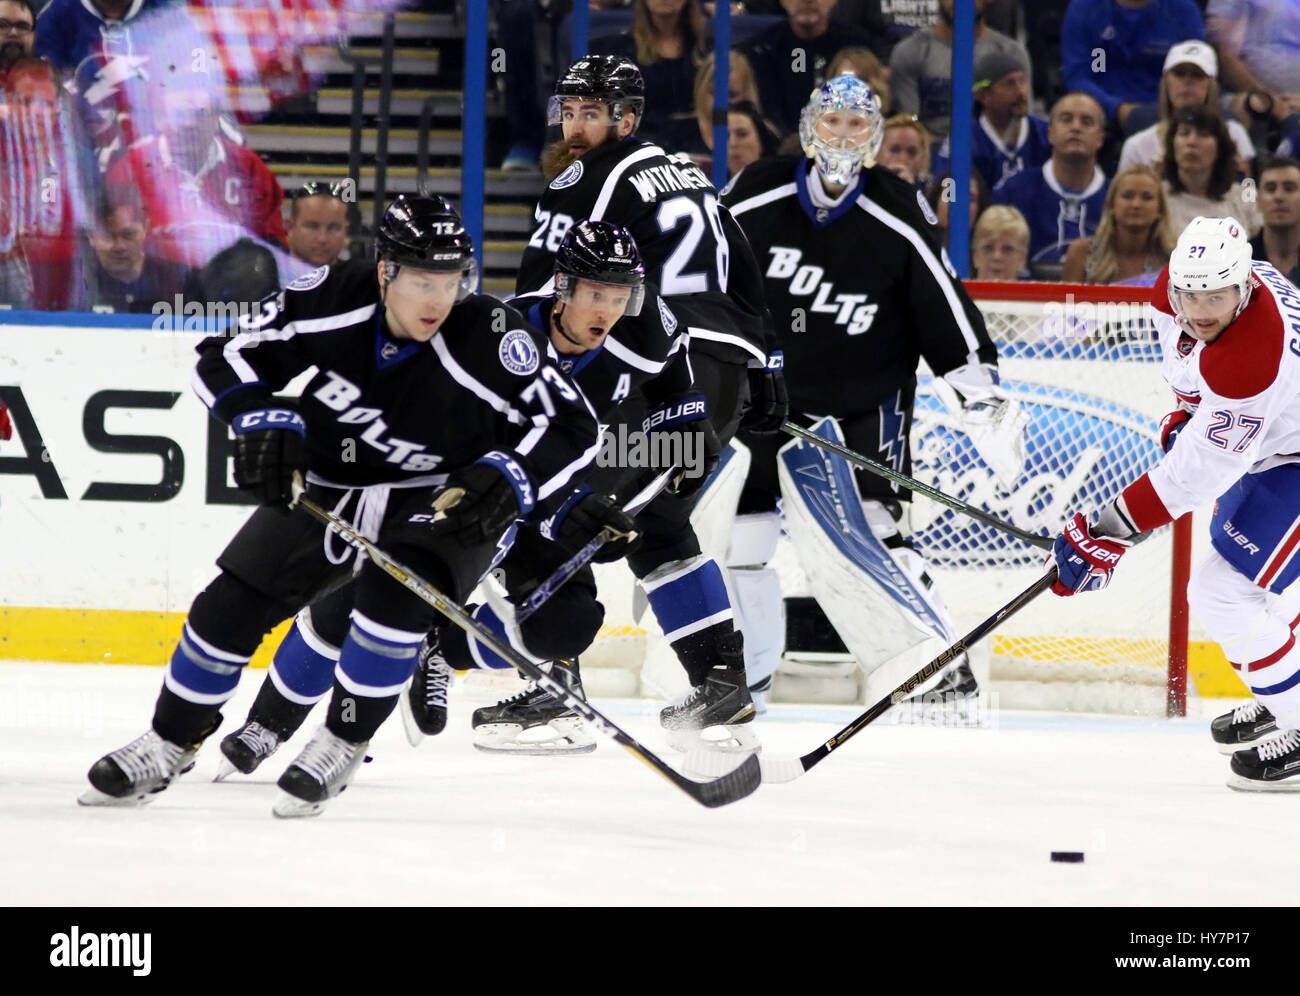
381 410
693 251
643 354
859 290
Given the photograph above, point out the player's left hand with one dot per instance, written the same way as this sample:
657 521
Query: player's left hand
1084 561
769 404
6 427
587 515
478 502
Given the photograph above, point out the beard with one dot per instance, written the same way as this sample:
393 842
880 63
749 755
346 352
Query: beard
11 52
556 158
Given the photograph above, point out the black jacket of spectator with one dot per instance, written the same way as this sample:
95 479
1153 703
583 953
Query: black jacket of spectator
160 281
669 118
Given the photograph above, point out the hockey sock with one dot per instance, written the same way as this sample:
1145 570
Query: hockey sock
1275 681
183 722
375 663
303 668
200 677
462 653
690 602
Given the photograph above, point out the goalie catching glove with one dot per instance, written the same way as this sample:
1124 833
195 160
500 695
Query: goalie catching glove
994 421
582 517
1087 553
477 504
270 446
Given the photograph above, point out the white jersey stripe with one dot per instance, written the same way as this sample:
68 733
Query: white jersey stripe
470 383
616 174
767 197
734 340
617 349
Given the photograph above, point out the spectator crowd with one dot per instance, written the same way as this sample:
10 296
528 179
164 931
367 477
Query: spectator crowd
1100 129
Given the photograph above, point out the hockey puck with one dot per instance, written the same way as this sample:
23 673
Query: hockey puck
1069 857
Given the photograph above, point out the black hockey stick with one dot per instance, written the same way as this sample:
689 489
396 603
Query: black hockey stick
788 769
866 463
720 791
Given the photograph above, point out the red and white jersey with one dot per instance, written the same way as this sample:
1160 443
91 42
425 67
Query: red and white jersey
1243 390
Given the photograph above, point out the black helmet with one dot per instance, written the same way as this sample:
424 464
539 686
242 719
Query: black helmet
609 78
604 254
426 233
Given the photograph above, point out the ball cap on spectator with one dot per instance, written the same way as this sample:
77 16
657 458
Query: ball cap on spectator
1195 53
992 65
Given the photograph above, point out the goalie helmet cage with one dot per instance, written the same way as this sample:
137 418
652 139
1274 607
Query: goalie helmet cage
1085 363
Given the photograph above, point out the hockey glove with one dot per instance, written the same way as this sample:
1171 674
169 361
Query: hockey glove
1171 425
684 423
1085 561
270 445
582 517
478 502
6 427
769 405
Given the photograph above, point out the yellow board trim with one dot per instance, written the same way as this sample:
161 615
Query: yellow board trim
102 636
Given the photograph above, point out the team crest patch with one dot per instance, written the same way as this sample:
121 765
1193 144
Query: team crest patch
667 317
519 353
310 281
926 209
568 178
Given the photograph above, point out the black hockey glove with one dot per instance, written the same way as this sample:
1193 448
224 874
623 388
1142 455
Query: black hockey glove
270 444
478 502
683 423
582 517
769 405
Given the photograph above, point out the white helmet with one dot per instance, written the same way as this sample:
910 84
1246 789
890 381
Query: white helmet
838 161
1211 253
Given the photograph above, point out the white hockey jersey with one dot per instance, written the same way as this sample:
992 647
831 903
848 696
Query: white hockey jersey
1244 392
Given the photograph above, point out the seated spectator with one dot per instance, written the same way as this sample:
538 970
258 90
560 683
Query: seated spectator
1279 202
1259 48
1062 200
668 41
863 64
318 224
1200 169
17 31
1115 51
999 245
70 31
201 190
749 137
118 274
887 21
1006 138
920 68
1133 239
1190 80
741 89
905 149
942 195
790 58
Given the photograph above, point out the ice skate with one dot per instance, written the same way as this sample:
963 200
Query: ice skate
320 772
133 775
246 748
424 702
1246 726
954 701
1273 766
535 721
713 714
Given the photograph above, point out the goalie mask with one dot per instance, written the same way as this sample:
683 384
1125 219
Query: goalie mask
1211 253
604 254
827 129
426 233
609 79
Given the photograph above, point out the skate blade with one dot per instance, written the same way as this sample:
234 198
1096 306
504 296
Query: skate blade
560 736
93 797
718 739
289 807
225 770
413 732
1227 750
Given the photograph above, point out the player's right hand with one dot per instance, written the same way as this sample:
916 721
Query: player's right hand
587 515
769 404
6 427
1171 425
1084 562
479 502
270 445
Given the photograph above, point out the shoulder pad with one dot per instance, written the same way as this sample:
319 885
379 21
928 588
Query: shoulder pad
1244 361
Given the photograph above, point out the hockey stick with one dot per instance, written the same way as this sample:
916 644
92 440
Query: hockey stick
866 463
788 769
720 791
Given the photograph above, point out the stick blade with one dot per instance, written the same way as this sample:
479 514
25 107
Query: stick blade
778 770
731 787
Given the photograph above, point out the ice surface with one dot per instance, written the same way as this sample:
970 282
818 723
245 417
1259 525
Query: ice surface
900 815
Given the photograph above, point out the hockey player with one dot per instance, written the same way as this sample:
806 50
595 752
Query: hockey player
698 258
1230 337
620 345
434 419
859 291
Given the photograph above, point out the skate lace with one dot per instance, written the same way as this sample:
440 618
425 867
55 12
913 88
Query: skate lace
437 682
326 756
1284 744
147 756
1247 713
258 738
